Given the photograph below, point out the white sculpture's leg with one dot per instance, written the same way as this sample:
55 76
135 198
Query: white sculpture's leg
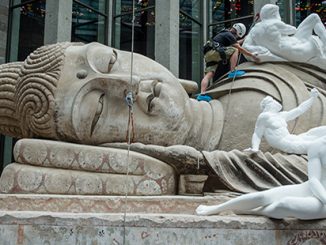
296 207
309 24
313 133
254 200
245 202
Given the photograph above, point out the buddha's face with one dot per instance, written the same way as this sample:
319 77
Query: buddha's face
90 99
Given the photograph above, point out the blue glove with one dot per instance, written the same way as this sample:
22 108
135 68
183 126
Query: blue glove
204 97
236 73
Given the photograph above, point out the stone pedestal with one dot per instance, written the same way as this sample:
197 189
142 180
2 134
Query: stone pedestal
85 228
54 219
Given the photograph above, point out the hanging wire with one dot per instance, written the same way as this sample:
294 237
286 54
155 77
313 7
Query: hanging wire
130 128
230 90
255 20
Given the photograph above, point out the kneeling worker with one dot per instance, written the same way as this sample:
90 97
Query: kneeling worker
225 46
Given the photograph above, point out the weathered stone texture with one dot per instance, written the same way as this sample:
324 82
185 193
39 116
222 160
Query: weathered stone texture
109 204
92 171
63 228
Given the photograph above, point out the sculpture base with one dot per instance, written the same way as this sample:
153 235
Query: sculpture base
90 228
51 219
108 204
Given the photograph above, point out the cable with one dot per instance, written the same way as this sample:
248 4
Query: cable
232 84
130 128
229 96
233 80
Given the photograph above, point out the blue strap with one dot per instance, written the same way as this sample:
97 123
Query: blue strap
204 97
236 73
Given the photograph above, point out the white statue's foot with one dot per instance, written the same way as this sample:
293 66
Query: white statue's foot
205 210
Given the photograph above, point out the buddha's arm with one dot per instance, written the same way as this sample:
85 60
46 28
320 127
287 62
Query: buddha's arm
314 177
302 108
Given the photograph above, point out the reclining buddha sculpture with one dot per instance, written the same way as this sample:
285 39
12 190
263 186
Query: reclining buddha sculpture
70 98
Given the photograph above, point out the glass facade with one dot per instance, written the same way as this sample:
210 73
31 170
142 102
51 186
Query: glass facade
89 21
144 35
27 28
305 7
223 13
190 39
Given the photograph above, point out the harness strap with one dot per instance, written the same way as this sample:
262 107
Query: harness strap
221 50
211 63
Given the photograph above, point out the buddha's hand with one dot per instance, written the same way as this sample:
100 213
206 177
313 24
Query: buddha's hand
251 150
314 93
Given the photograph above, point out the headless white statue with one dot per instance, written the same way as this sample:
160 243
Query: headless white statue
302 201
273 40
272 125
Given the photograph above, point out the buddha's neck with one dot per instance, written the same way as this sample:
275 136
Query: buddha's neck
207 125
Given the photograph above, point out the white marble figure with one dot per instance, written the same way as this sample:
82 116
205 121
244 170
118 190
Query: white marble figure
272 125
303 201
273 40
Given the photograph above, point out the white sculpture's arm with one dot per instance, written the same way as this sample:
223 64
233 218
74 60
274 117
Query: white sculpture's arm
250 44
246 52
302 108
314 177
257 136
285 29
261 52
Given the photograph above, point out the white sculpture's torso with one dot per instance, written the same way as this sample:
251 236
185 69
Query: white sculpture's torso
277 134
273 40
272 125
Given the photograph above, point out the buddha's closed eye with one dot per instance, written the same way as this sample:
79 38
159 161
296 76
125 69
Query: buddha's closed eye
98 112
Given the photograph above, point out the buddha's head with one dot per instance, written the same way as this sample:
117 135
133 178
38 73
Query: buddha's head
76 92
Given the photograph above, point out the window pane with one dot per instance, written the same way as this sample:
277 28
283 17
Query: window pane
192 8
223 10
15 2
99 5
27 32
125 6
305 7
87 26
190 51
144 27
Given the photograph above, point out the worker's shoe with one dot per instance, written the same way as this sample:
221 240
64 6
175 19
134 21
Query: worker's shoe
204 97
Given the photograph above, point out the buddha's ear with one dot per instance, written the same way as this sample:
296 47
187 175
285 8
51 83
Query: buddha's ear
191 87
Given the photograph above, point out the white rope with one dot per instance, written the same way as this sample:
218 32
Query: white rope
129 100
232 84
230 90
229 97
